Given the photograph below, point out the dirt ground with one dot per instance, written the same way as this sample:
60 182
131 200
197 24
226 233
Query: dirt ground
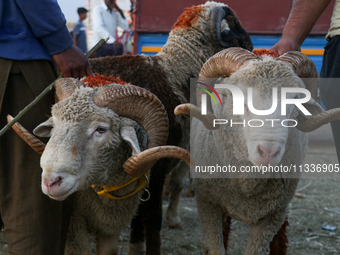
318 205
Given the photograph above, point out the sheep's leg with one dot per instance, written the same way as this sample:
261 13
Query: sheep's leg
279 244
108 244
137 237
190 191
262 233
166 189
78 237
152 209
176 185
148 220
211 218
226 231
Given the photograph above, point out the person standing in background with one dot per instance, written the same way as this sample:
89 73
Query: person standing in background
106 18
79 31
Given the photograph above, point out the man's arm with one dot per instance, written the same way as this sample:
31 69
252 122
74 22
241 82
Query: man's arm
121 20
75 39
122 23
302 17
76 32
48 23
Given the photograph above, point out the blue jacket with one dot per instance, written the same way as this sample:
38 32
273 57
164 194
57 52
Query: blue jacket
32 29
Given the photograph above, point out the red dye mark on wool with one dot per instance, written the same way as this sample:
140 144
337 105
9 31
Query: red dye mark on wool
74 150
261 52
188 17
98 80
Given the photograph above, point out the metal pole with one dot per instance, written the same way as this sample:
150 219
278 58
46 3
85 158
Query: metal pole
45 91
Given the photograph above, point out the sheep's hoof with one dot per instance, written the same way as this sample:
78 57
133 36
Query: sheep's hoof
137 248
178 226
175 222
190 193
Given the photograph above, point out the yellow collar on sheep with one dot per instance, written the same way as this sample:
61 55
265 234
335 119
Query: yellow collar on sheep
143 181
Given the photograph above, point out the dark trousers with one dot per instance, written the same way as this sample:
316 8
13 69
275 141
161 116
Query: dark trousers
34 223
330 84
110 50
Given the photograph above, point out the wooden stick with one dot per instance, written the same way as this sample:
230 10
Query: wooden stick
45 91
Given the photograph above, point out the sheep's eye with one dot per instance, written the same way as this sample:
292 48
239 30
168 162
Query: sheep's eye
101 130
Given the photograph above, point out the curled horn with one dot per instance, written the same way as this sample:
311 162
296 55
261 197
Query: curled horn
319 120
65 87
30 139
152 154
138 104
304 67
142 106
216 16
221 64
195 111
236 36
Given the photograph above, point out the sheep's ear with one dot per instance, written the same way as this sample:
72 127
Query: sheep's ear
128 133
44 129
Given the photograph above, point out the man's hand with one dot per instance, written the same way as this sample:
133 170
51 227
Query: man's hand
73 63
302 17
285 45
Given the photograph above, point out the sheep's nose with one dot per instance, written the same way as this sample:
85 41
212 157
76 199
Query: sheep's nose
51 182
268 152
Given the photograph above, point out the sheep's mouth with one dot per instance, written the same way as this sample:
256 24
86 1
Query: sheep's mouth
260 164
62 195
58 185
61 191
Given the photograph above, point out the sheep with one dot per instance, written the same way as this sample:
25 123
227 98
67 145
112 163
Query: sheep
199 32
259 201
92 133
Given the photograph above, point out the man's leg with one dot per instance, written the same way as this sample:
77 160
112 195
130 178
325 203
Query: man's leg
118 49
106 50
34 223
115 49
330 84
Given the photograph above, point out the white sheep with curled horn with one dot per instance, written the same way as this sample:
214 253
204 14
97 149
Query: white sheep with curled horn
108 137
260 202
